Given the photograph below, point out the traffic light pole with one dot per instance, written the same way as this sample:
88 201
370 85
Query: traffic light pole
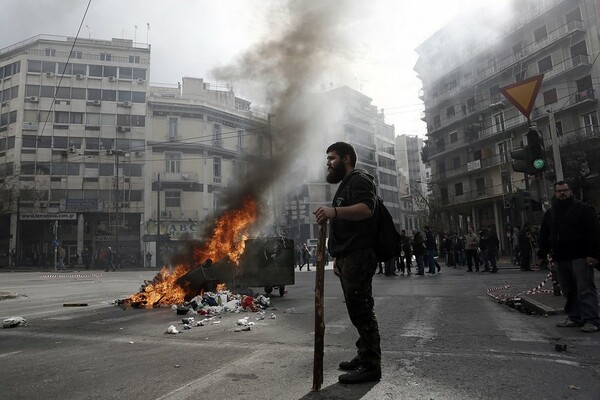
158 223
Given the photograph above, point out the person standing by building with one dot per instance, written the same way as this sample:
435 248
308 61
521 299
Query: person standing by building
351 233
570 234
148 260
110 259
471 246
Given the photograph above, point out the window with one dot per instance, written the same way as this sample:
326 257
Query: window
105 57
498 122
48 66
471 104
79 69
540 34
95 70
217 139
590 122
65 69
173 162
34 66
50 52
494 93
63 92
520 76
480 185
94 94
138 120
109 71
503 150
217 169
559 128
574 15
125 73
456 162
545 64
454 137
517 49
139 73
76 54
458 189
76 117
92 119
240 139
107 169
173 131
550 97
172 198
134 59
138 97
78 93
61 117
60 142
450 112
436 122
123 120
109 95
123 95
47 91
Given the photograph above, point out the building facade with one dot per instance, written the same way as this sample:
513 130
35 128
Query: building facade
472 128
200 138
72 111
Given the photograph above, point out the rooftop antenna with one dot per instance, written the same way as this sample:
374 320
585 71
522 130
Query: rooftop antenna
135 34
147 31
89 31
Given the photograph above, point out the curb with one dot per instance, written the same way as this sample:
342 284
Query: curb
531 304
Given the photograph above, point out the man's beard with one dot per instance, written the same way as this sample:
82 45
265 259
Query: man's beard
336 174
563 202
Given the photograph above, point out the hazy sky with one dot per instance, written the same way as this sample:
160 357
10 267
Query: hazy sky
371 42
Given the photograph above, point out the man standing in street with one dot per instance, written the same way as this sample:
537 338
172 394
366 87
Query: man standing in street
491 253
430 248
570 234
351 233
471 246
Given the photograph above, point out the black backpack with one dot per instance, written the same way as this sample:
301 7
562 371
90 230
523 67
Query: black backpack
387 239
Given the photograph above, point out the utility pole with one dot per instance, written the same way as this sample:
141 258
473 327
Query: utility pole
158 223
275 224
555 147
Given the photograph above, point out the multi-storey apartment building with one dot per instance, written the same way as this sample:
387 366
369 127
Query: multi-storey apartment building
72 116
472 128
412 181
201 136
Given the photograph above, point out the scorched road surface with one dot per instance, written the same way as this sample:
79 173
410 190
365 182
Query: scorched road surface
442 338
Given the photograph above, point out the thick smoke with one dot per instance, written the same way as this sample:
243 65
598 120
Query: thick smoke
282 71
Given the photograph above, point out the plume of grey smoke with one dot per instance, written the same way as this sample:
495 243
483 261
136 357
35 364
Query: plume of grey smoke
309 44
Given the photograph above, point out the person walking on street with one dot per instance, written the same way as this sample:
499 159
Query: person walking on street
483 246
148 260
471 246
86 257
430 248
491 253
406 258
570 234
525 247
418 249
305 258
61 259
110 259
351 232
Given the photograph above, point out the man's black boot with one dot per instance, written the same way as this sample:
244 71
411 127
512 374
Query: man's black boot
361 375
350 365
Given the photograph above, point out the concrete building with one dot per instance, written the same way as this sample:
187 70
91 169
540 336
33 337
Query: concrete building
412 182
472 128
72 115
199 137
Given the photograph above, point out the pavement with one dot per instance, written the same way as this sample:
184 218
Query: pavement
542 302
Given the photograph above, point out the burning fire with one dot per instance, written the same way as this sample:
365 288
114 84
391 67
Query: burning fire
228 236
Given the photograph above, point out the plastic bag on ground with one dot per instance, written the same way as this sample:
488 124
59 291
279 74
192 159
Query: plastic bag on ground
13 322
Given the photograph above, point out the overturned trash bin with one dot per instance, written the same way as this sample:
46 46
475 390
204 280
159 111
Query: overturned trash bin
267 262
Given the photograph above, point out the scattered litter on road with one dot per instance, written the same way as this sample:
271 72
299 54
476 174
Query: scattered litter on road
130 342
574 387
13 322
560 347
172 330
75 305
244 329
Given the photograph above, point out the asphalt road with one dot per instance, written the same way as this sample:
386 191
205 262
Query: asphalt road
442 338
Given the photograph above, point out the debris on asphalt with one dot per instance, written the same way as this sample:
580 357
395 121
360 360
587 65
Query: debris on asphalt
75 304
172 330
574 387
13 322
560 347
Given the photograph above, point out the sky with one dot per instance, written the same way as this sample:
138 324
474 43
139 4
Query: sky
364 44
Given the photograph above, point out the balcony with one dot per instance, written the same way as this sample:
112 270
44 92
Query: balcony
580 135
474 195
176 176
574 64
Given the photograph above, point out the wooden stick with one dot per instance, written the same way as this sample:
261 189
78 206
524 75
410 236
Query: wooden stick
319 317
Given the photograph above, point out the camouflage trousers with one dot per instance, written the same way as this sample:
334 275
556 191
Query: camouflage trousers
356 271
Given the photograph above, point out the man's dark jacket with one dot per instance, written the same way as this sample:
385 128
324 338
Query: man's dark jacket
570 230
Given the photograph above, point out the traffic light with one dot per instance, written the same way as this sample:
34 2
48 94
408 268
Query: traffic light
535 142
522 160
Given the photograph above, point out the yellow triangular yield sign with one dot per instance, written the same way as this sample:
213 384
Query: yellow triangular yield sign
522 94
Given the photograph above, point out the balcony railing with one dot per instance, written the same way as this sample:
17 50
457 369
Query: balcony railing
177 176
585 133
574 62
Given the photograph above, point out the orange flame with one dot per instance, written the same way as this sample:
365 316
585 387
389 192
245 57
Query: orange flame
228 236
